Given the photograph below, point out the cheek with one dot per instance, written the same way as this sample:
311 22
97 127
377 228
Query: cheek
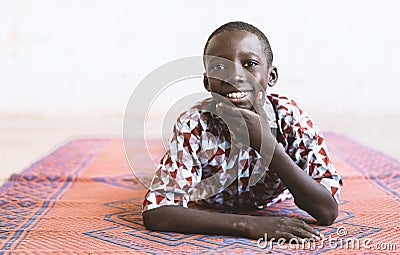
214 84
257 87
257 78
252 97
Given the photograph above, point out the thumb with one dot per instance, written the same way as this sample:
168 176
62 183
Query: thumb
259 102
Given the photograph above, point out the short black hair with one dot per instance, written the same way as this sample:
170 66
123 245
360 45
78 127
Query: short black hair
239 25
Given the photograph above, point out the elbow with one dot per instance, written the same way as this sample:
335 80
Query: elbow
150 220
147 220
325 214
327 219
328 215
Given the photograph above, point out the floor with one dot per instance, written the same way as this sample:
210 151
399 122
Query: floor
25 140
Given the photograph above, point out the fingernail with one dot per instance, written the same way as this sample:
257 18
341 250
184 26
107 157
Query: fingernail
317 238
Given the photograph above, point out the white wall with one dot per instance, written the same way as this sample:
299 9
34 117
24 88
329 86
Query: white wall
85 57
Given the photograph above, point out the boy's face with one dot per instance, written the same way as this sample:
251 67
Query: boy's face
240 70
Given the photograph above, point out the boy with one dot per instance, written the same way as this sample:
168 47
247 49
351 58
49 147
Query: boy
238 64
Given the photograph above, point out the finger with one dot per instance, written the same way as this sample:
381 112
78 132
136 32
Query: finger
248 115
236 112
235 124
259 102
302 233
259 105
239 138
305 226
226 105
233 120
299 226
227 109
290 238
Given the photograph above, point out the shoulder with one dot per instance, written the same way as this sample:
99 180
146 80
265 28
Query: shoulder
197 115
285 106
291 118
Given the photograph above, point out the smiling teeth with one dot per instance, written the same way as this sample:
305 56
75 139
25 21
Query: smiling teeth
236 94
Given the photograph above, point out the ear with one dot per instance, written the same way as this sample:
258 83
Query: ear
272 76
205 82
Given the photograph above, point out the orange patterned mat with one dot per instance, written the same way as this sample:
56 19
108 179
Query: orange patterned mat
83 198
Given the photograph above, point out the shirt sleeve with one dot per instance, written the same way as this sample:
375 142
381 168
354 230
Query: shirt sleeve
178 170
307 147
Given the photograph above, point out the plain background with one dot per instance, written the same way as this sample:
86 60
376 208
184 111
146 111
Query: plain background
68 68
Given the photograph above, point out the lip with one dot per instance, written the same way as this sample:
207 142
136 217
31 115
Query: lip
225 94
238 101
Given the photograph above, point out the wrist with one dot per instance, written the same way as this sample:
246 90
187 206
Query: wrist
267 150
242 226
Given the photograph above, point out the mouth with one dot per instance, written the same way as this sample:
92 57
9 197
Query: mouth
237 95
241 99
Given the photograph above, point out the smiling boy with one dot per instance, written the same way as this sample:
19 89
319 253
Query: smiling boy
238 63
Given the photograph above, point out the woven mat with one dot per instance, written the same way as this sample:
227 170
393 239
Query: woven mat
83 198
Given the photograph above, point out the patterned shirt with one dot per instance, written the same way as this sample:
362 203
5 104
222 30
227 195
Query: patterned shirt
201 148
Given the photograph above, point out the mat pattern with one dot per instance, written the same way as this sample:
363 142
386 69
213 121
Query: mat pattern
84 199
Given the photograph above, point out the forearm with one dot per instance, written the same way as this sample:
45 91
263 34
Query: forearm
186 220
309 195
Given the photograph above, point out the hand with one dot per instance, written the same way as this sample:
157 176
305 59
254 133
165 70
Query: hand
282 227
246 126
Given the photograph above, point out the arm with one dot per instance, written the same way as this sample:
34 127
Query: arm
309 194
185 220
165 205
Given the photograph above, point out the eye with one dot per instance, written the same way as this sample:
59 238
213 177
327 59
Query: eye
217 67
250 63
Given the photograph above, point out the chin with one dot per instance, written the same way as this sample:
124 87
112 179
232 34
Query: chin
247 106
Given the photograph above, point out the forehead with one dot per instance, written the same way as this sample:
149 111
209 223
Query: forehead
227 43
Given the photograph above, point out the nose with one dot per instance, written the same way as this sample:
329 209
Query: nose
236 75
